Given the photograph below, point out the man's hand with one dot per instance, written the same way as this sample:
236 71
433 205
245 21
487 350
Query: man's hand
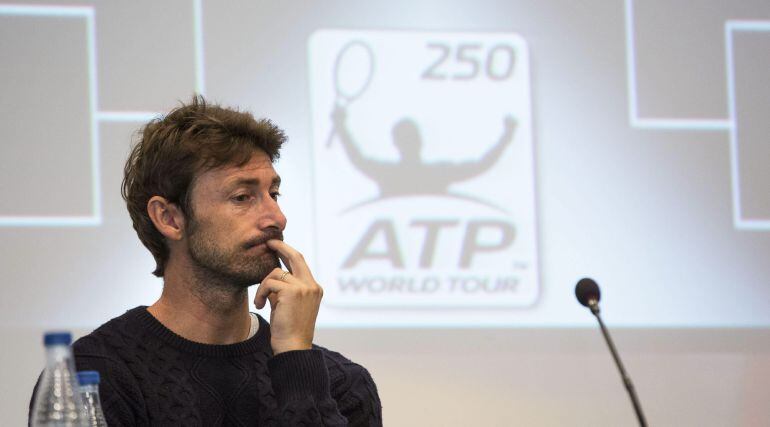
294 300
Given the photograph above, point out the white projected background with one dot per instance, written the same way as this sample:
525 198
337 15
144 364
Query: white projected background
627 141
640 161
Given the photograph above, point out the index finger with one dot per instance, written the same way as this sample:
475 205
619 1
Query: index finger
293 260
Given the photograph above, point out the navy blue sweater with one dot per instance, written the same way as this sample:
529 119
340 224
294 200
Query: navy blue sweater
152 377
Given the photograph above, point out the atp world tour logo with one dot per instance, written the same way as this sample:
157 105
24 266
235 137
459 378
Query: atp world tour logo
423 169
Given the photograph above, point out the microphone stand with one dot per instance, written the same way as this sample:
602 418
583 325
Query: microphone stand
594 306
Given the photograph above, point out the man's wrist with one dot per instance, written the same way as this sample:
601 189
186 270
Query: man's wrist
282 346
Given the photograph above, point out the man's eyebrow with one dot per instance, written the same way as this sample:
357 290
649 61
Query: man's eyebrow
275 182
244 181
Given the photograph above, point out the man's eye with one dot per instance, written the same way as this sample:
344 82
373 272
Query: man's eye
275 195
241 198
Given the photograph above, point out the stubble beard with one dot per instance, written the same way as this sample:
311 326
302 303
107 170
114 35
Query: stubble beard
229 267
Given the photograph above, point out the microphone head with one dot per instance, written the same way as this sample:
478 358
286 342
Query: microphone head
587 292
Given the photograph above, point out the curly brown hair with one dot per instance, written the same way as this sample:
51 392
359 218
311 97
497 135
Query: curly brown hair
174 149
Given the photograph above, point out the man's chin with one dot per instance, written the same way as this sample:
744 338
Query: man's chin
265 265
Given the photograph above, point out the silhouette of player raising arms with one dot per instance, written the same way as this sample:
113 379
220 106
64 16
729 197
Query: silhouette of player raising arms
410 175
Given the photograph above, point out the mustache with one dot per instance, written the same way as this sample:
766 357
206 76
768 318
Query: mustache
270 234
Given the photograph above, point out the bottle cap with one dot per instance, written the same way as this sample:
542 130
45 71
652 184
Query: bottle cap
57 338
88 377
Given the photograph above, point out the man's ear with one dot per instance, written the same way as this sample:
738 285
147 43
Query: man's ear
167 217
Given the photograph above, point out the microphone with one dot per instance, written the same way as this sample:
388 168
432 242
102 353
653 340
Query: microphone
588 294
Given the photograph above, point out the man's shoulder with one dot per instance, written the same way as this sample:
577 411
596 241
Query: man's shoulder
112 349
345 373
334 358
111 338
353 388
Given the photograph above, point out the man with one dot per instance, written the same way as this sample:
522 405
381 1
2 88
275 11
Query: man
202 194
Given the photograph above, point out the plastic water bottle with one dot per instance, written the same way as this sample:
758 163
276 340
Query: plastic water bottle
57 401
89 393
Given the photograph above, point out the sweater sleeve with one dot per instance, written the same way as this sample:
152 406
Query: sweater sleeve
308 392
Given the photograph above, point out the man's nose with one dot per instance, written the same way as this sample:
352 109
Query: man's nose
271 215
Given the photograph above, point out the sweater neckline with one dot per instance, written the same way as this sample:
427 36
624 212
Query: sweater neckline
258 343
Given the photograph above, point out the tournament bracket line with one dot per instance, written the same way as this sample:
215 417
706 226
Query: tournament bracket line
95 116
718 124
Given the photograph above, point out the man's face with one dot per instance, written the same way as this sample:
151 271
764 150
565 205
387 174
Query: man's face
234 213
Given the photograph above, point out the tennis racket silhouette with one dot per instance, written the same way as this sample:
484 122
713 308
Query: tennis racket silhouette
352 74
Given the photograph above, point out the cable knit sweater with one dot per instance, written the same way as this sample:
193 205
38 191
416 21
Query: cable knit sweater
153 377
